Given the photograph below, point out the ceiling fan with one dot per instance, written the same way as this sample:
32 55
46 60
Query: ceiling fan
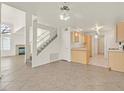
97 29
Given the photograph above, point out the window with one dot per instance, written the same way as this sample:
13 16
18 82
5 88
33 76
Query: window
6 43
5 30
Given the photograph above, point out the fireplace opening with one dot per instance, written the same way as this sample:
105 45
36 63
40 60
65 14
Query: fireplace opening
21 50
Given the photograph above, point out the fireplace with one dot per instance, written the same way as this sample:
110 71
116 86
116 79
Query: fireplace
20 50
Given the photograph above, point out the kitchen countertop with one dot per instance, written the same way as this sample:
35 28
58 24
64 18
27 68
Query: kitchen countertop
115 50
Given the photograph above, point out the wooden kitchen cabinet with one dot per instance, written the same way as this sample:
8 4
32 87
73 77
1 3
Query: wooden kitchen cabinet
79 55
116 60
89 44
120 32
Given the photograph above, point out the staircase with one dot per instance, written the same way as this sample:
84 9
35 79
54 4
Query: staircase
44 40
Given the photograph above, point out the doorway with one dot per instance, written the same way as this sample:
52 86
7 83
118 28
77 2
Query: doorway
98 57
101 45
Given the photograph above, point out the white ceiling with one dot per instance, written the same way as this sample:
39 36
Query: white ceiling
83 15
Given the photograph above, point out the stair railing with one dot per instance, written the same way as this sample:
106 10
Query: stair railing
46 40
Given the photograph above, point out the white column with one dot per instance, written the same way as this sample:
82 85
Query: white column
0 40
27 36
34 50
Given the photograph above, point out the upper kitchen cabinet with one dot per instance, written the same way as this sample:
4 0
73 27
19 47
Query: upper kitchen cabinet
120 32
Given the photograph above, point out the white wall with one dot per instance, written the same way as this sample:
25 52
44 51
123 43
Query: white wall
19 36
110 41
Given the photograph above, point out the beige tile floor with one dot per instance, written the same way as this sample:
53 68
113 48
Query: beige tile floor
59 75
99 60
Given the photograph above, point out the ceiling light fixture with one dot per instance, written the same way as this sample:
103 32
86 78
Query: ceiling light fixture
65 12
97 28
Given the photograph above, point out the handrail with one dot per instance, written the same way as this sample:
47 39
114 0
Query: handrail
44 42
42 34
43 37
